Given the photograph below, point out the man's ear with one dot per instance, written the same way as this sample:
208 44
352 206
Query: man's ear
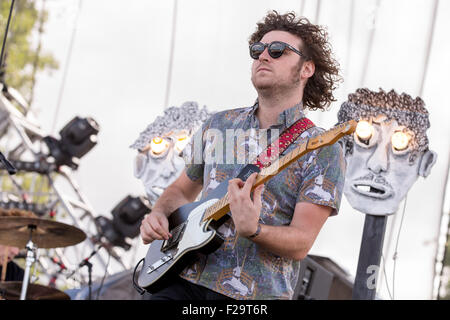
308 69
426 163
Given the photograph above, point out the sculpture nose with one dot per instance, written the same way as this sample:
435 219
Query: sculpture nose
378 161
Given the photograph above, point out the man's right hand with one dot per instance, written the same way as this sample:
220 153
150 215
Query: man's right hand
154 226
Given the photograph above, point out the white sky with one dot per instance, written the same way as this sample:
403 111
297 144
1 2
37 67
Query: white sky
118 73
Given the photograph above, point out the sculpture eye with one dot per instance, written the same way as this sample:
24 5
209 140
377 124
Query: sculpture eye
159 145
365 134
182 141
400 142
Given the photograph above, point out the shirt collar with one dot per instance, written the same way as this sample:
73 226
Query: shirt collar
287 117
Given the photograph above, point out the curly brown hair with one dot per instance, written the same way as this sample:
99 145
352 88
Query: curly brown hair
318 93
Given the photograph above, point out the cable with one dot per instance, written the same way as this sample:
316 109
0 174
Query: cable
66 67
430 42
350 42
385 277
104 276
396 247
444 236
302 8
6 34
36 56
172 49
140 290
370 45
316 18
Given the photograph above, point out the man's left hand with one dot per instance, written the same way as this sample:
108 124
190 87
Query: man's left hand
245 212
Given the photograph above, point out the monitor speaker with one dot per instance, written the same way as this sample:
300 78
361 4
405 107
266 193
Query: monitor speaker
320 278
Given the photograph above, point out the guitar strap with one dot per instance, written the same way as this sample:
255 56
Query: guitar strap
276 148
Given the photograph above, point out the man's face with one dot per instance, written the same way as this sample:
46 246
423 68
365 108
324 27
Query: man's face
282 73
378 175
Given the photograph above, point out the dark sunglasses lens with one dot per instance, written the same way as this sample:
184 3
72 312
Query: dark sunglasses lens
256 49
276 49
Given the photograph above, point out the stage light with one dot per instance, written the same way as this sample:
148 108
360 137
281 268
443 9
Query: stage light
128 215
107 230
400 140
78 137
126 222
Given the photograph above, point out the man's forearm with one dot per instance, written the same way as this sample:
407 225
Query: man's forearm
285 241
171 199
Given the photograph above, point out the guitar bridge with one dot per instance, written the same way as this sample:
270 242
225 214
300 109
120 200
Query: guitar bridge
159 263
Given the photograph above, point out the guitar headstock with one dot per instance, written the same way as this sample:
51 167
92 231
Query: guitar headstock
332 135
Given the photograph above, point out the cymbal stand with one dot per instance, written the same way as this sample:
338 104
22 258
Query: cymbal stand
31 258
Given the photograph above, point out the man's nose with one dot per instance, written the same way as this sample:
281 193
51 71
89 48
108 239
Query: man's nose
378 161
265 54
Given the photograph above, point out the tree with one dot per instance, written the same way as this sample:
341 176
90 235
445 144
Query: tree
23 59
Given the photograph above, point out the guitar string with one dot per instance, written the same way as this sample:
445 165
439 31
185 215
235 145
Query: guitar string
285 158
220 204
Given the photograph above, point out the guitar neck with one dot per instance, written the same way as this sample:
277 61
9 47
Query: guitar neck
222 207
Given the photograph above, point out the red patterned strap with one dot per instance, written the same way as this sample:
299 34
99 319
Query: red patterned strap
282 143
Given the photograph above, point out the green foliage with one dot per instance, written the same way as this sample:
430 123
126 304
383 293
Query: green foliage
36 185
23 57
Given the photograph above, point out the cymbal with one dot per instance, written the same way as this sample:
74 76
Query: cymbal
15 232
10 290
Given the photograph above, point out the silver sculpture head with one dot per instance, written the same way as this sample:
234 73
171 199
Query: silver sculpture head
388 150
162 144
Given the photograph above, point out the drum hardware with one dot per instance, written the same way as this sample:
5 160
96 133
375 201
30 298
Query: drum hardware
31 258
11 290
36 232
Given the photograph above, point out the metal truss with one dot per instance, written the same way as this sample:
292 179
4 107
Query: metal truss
51 192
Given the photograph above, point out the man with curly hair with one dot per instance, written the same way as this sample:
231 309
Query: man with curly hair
271 230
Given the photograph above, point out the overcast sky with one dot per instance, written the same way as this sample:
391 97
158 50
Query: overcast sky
118 74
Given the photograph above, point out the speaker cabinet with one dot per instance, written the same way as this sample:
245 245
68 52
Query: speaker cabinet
320 278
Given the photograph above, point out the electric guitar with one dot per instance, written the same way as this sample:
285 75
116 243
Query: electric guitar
193 226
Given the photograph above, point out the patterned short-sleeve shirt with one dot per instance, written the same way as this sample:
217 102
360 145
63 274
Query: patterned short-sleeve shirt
240 268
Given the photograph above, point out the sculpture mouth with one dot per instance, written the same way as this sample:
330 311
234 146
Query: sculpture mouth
372 190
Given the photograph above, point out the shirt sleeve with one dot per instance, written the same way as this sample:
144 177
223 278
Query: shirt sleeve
193 154
323 179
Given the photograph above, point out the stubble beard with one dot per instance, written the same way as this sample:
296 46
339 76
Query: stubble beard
277 89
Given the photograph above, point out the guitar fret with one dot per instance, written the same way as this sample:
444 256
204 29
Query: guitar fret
219 205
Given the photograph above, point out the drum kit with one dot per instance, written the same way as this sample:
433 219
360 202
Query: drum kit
31 234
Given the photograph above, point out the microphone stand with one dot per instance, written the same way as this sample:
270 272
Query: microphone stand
86 262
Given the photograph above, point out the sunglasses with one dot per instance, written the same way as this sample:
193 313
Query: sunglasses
275 49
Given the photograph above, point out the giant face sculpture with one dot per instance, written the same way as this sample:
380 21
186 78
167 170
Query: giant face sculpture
388 150
160 147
